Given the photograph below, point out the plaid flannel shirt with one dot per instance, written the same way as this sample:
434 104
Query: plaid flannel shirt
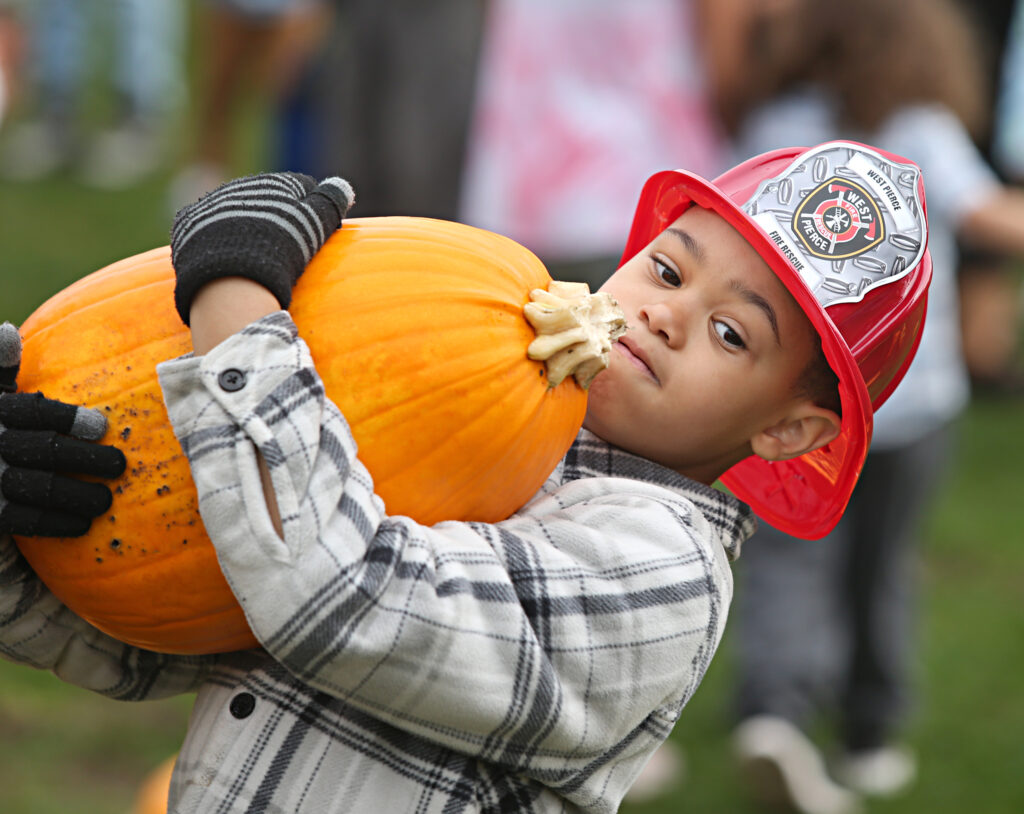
531 665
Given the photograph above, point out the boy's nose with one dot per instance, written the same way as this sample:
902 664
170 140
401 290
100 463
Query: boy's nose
666 320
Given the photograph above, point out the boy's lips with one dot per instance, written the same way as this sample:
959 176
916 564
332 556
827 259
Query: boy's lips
635 355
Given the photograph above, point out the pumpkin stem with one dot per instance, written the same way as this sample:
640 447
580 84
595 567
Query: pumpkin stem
575 330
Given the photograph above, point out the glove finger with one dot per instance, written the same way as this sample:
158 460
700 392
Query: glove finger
296 185
28 521
45 490
304 183
33 411
47 451
330 201
10 357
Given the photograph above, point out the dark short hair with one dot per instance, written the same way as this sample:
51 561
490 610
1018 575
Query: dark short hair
819 382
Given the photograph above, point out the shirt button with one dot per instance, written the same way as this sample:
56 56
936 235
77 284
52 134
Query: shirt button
231 379
242 705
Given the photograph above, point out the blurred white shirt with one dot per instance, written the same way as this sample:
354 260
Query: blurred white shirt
578 102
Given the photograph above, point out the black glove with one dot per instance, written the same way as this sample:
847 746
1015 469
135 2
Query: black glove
265 227
39 438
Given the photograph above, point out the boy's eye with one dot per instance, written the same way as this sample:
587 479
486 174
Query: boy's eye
728 334
666 274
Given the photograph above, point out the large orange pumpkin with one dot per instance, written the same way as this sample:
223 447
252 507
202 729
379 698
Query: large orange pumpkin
417 328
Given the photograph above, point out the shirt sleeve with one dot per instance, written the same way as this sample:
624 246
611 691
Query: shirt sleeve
584 620
38 630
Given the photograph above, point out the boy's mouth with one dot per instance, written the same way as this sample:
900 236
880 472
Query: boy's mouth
635 356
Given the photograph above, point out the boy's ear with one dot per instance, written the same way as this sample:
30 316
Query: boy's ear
807 428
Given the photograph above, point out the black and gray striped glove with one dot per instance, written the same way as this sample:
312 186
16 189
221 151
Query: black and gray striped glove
42 442
264 227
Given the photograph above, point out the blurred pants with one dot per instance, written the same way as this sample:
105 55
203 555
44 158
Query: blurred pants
393 96
827 624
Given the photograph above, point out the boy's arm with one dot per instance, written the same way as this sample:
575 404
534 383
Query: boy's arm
38 630
238 252
44 446
220 309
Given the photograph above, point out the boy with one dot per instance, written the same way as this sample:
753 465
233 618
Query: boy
534 664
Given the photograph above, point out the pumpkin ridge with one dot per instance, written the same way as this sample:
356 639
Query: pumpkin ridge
484 374
489 449
95 287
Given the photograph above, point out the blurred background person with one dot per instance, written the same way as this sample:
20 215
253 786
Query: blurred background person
249 51
826 628
138 44
404 94
426 103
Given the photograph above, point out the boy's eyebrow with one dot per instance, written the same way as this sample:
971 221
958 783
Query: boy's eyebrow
756 299
688 241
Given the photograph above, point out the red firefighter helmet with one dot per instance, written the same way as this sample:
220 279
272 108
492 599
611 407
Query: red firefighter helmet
844 226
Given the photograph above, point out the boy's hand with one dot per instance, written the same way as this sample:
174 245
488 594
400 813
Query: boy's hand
40 438
264 227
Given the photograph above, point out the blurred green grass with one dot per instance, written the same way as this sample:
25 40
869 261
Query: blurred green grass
65 750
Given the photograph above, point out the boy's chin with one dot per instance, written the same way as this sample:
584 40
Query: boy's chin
605 420
593 423
597 404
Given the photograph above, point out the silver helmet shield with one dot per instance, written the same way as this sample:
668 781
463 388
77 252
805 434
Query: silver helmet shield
846 218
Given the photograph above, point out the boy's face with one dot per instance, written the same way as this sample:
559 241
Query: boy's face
713 352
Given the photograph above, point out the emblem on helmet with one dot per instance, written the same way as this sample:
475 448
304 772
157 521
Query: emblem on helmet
839 219
846 218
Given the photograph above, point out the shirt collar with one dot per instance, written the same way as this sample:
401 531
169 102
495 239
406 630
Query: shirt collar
591 456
